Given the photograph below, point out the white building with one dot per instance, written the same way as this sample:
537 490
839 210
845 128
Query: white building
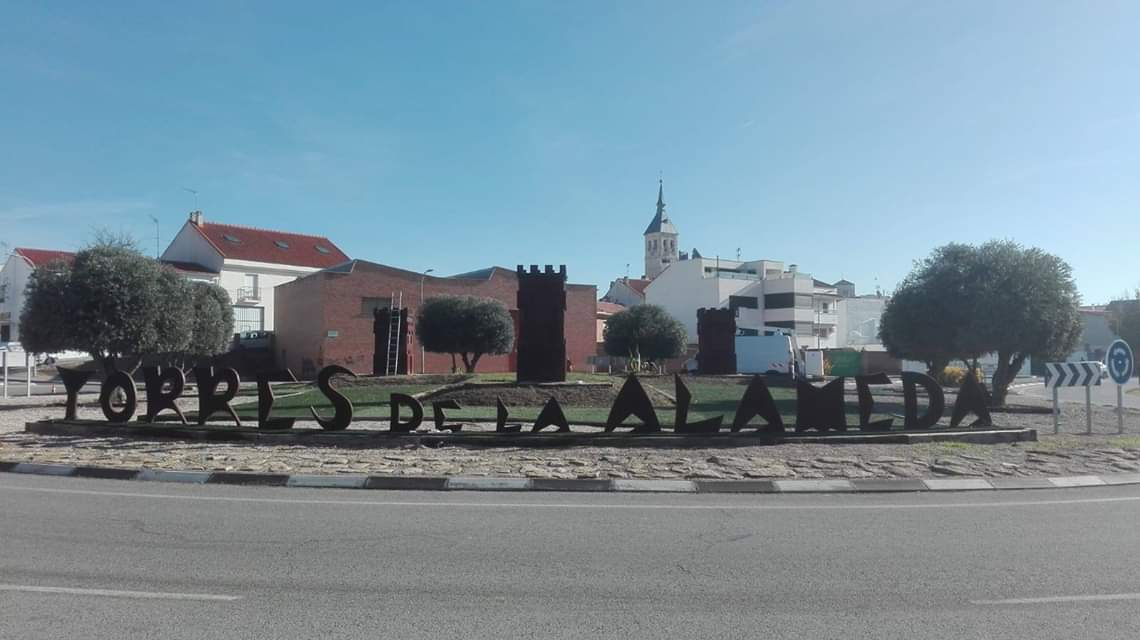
859 318
763 292
14 275
628 292
248 263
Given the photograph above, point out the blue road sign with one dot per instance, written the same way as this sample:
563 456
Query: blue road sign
1121 364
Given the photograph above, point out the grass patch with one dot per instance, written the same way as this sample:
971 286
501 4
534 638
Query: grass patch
366 400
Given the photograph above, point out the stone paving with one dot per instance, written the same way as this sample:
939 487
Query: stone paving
1070 453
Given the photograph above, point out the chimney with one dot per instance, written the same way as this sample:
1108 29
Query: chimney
793 268
196 218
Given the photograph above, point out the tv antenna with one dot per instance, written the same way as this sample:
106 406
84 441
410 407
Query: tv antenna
156 236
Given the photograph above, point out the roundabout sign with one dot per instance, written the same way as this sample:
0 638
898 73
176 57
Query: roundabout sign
1121 364
1121 367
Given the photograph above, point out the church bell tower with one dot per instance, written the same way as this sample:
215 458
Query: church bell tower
660 239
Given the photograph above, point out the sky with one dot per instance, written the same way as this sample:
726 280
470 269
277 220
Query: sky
849 138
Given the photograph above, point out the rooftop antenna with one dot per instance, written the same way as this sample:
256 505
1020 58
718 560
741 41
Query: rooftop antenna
156 236
738 254
627 271
195 192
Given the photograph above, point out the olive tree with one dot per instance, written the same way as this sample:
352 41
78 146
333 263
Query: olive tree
645 332
1001 298
111 302
467 326
213 324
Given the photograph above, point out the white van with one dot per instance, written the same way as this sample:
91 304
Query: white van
770 351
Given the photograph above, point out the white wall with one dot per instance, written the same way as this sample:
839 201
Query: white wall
621 293
269 276
681 290
858 324
14 274
189 245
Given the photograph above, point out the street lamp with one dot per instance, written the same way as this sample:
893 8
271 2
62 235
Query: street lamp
422 276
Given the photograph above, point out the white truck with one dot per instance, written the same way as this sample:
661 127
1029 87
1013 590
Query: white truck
768 350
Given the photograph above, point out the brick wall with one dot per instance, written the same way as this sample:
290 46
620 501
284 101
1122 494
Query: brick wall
309 308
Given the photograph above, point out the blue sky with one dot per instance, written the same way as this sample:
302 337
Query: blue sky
847 137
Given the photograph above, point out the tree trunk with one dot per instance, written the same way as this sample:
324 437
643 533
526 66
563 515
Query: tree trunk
935 366
454 367
469 363
1007 364
474 362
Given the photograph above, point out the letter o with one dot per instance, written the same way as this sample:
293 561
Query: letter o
118 380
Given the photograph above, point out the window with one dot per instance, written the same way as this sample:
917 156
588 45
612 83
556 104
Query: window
3 291
281 244
5 333
323 249
249 289
249 319
229 238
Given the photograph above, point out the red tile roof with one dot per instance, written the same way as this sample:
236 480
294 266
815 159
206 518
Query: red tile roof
609 308
637 285
276 247
40 257
188 267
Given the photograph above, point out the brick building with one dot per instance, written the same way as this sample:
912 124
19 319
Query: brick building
327 317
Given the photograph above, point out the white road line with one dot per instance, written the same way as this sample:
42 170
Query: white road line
1108 597
113 593
581 505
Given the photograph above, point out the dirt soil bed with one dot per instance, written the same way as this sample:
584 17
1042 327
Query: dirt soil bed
586 395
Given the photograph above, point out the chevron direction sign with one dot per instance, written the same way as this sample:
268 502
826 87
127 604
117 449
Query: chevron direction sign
1073 374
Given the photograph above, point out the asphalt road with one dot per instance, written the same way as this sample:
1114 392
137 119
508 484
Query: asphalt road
1103 394
113 559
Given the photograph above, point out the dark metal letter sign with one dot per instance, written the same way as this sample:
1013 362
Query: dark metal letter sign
867 402
118 380
341 404
265 399
502 415
971 399
541 338
550 415
633 401
157 398
440 418
397 400
681 423
757 401
820 408
73 381
936 401
209 402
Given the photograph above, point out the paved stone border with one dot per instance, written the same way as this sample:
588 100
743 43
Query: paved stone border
664 439
619 485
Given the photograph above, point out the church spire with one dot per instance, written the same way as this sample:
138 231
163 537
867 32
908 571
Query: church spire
660 222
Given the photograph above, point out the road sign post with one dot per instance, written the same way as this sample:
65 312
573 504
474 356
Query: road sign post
1073 374
1121 366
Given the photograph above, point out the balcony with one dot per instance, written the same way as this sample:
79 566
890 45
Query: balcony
247 294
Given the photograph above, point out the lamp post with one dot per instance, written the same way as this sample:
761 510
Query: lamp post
422 276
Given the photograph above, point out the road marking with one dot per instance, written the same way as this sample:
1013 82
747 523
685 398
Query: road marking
1108 597
113 593
580 505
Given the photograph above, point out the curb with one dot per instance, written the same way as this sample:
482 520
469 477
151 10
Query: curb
617 485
